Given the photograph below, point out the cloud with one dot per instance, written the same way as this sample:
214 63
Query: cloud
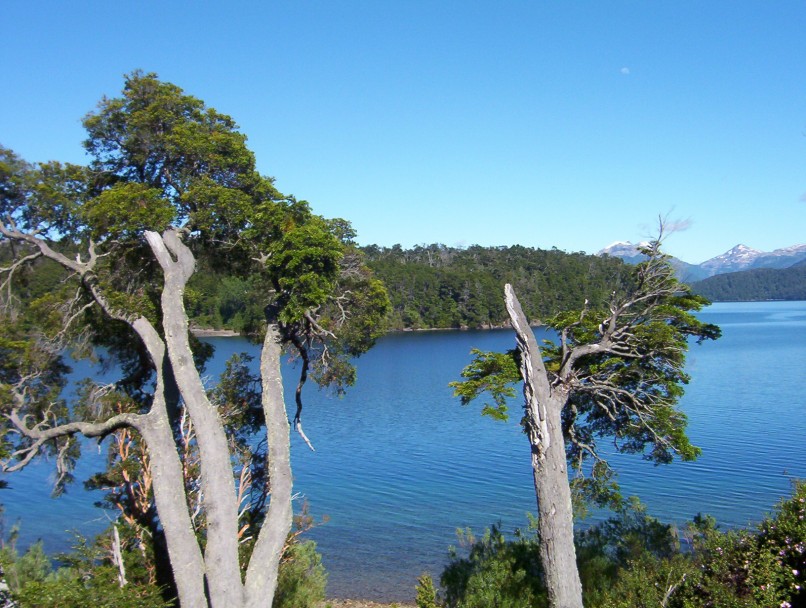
678 225
667 225
625 71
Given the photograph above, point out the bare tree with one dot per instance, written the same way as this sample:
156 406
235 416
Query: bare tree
616 372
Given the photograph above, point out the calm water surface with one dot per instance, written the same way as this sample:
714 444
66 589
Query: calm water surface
400 464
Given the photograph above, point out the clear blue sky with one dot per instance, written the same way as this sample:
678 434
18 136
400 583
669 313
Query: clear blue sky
567 124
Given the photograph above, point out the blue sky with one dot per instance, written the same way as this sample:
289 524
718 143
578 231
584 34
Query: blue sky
567 124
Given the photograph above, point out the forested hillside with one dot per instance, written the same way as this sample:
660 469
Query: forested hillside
430 286
755 285
435 286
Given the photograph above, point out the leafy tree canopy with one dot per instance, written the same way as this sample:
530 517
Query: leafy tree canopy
620 363
171 187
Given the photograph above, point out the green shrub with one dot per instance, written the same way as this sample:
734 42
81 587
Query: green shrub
496 572
609 550
426 592
83 580
302 578
646 582
784 536
761 568
634 561
101 590
32 566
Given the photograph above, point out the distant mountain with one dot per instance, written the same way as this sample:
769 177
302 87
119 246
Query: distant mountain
624 250
737 259
755 285
781 258
740 257
629 253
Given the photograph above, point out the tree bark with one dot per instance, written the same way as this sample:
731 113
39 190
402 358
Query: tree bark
543 426
261 574
556 517
168 483
222 568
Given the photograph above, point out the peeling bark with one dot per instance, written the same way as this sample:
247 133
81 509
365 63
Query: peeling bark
543 425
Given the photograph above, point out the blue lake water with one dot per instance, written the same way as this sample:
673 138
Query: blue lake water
400 464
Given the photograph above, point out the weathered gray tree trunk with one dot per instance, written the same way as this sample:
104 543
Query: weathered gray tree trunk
220 566
184 552
543 425
261 574
222 569
211 579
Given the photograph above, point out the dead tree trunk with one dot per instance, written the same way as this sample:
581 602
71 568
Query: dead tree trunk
543 425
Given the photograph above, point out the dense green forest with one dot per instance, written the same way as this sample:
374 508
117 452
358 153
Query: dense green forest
432 286
447 287
435 286
755 285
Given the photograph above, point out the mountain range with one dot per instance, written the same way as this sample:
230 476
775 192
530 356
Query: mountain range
739 258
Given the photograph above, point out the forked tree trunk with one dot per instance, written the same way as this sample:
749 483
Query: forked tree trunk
222 569
261 573
211 579
543 426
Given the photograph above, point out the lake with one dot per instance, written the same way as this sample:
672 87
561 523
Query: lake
400 464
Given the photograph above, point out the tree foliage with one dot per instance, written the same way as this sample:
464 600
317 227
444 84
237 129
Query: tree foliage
435 286
616 370
172 186
620 362
632 560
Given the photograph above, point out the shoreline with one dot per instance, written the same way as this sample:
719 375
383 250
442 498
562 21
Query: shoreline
205 332
348 603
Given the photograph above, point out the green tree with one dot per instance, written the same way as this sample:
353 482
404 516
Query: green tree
616 371
172 181
439 286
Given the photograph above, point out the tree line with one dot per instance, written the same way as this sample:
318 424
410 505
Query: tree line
433 286
755 285
436 286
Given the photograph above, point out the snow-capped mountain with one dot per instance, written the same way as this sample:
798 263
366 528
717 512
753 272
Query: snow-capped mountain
743 257
624 250
782 258
630 254
739 258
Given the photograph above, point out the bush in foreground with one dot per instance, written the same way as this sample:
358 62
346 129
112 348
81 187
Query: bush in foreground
635 561
87 577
